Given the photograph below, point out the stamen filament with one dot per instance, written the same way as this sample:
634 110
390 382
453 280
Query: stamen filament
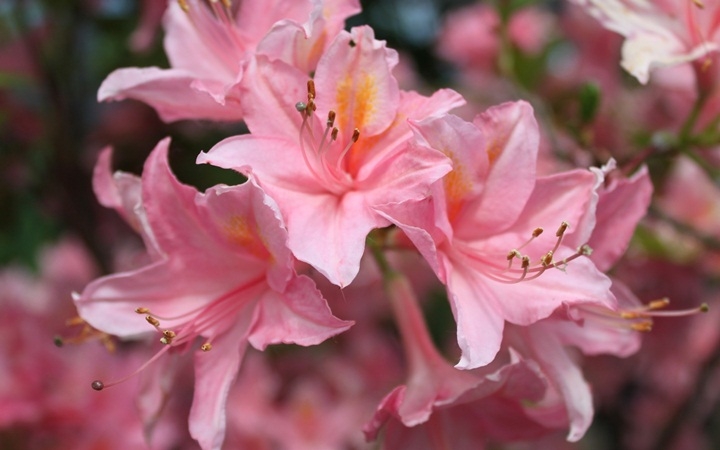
99 385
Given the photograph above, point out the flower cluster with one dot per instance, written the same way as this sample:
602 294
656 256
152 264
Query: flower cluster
366 208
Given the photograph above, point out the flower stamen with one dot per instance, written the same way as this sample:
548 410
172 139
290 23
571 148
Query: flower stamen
527 270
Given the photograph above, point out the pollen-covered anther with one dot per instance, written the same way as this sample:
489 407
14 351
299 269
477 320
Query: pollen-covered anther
656 308
206 347
562 229
547 259
659 304
185 7
86 333
152 321
167 337
142 310
331 119
537 232
644 326
512 254
311 89
699 3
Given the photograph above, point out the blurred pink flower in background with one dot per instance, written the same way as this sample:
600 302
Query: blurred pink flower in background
44 398
658 34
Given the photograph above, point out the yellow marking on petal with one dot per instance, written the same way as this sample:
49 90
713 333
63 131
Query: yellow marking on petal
457 185
494 150
355 99
239 232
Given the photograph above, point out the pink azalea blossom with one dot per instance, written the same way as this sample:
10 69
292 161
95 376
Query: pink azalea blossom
659 33
329 160
481 231
221 275
209 43
593 329
441 407
444 407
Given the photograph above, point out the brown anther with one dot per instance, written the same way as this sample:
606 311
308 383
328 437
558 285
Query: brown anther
630 315
658 304
547 259
58 341
74 321
707 62
152 321
142 310
699 4
185 7
331 119
227 3
97 385
169 334
537 232
561 230
644 326
513 254
206 347
704 308
355 135
525 262
334 134
311 89
585 250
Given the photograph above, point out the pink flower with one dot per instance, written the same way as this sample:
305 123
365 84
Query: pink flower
659 34
481 231
208 45
221 274
443 407
328 168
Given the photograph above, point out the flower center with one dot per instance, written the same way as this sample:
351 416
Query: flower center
324 160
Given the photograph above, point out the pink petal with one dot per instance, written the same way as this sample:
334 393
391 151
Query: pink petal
354 79
215 372
275 161
189 37
300 315
479 325
620 208
413 106
566 377
511 142
405 175
327 232
249 230
270 90
169 91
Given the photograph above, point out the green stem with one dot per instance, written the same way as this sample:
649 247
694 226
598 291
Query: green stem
687 128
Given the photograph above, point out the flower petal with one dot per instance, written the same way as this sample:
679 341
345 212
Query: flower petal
300 315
